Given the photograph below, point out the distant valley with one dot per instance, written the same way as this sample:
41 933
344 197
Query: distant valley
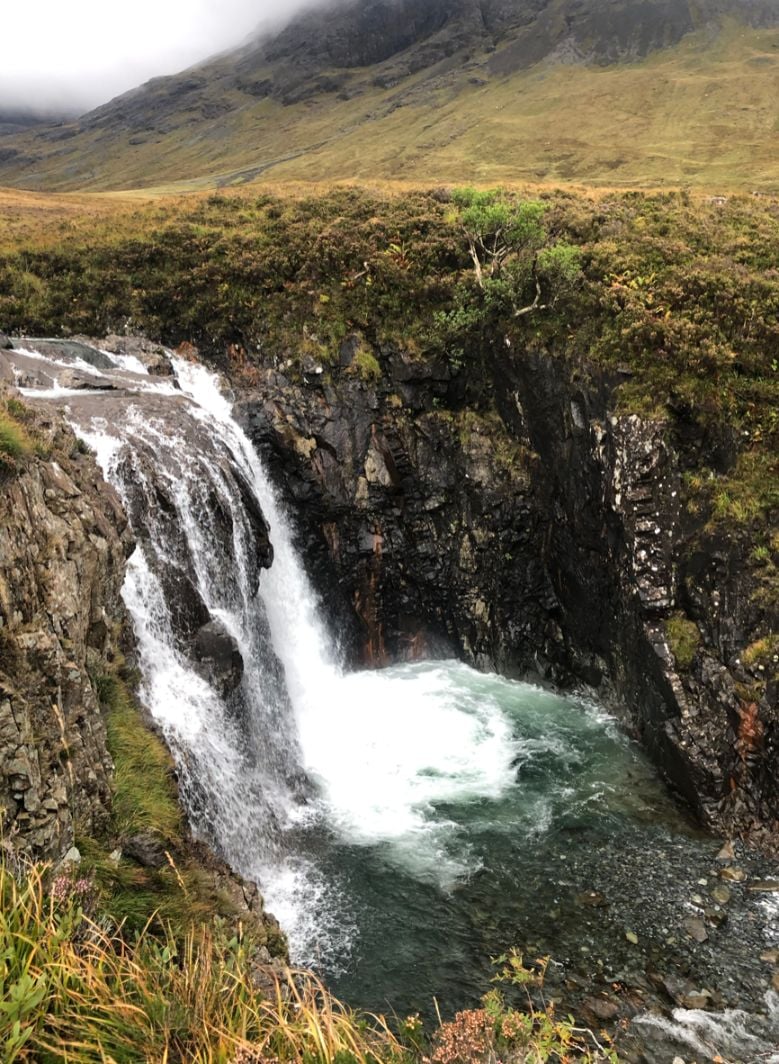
615 93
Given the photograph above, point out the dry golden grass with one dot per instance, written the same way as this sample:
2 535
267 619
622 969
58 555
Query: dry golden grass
75 991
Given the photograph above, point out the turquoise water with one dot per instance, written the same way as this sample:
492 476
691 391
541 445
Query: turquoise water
460 814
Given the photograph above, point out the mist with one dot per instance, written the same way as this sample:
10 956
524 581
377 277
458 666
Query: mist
62 59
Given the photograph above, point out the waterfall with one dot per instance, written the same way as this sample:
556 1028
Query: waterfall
403 824
300 751
189 481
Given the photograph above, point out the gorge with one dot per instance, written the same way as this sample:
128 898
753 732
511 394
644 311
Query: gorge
389 554
459 621
363 801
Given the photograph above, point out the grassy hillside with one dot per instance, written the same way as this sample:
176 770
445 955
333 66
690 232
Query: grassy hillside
702 113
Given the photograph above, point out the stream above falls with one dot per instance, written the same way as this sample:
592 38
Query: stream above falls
409 824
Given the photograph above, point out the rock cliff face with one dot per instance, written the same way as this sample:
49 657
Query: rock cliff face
512 516
63 544
654 603
538 532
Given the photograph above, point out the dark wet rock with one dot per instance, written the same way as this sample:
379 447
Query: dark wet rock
72 378
696 999
522 522
597 1010
188 612
682 992
218 656
672 985
67 350
5 342
146 849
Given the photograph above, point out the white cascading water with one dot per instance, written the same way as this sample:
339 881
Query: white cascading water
381 747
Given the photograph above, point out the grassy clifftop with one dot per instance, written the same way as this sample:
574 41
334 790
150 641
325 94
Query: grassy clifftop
675 296
682 290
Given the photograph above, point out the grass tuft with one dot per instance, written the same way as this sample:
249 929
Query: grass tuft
15 442
144 790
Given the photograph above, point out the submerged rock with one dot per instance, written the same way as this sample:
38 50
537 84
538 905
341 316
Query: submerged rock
733 875
695 928
591 899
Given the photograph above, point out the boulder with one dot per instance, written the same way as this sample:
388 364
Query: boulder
146 849
153 356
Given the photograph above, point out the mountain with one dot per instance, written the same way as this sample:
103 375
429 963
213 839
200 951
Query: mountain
598 91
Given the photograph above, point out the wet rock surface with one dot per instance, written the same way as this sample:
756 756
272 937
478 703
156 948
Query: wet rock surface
151 355
219 656
521 522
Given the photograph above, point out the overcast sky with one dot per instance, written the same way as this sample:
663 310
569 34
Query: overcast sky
76 54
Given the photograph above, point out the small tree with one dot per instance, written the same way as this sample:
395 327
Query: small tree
509 248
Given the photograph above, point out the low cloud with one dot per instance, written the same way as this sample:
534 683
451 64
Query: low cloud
65 58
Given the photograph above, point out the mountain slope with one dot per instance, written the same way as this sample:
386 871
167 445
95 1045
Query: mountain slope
602 91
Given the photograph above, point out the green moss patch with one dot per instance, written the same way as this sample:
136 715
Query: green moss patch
144 790
762 652
684 638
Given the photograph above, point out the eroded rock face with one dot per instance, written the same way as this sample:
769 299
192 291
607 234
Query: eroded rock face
63 545
627 560
537 532
416 522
